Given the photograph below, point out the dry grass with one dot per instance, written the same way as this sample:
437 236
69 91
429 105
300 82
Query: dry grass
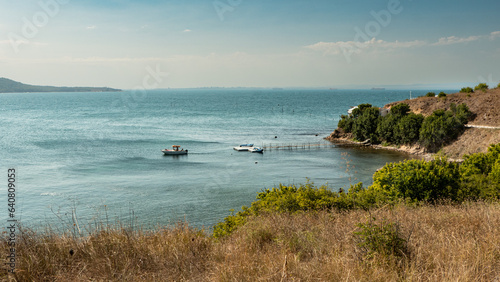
446 243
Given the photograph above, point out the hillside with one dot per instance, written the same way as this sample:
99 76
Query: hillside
11 86
485 105
486 109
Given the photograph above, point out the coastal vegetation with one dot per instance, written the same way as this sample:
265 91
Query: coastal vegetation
411 181
466 90
482 86
400 126
418 221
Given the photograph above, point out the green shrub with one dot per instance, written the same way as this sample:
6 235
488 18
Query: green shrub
480 175
498 86
384 239
441 95
481 86
408 128
418 180
463 113
292 199
430 94
466 90
400 110
440 128
283 199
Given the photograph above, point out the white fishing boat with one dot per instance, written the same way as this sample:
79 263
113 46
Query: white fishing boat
256 150
243 147
175 151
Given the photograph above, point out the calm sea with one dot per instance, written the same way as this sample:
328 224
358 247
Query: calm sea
97 156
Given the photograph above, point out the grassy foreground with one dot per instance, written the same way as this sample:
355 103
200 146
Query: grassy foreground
447 242
419 221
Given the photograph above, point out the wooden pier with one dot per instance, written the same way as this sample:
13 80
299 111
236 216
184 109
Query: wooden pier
302 146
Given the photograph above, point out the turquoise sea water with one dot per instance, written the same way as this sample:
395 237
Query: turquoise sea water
99 154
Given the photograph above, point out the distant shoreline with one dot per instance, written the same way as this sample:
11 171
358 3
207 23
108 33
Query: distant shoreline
11 86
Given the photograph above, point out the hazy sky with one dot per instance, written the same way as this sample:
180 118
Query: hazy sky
293 43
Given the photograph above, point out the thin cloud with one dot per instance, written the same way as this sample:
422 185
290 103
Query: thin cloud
335 48
341 47
187 30
456 40
494 35
91 27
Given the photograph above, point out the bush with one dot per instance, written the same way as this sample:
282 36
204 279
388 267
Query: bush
463 113
383 239
498 86
400 110
441 94
480 175
481 86
440 128
283 199
430 94
418 180
466 90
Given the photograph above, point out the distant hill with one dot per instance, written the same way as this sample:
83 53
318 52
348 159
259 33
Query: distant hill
11 86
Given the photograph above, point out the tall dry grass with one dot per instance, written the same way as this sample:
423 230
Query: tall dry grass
445 243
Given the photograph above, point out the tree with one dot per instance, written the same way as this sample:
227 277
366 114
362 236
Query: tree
346 122
407 130
430 94
365 126
441 94
386 128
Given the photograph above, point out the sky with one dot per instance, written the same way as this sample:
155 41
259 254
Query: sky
250 43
